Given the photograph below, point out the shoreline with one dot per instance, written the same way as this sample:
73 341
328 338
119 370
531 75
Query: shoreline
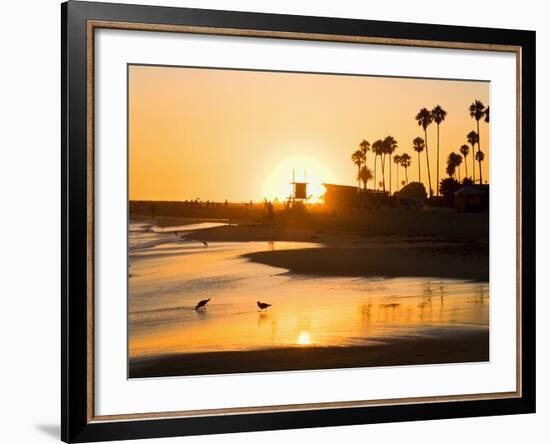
437 222
466 345
355 254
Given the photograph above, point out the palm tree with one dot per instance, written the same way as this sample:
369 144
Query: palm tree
357 159
397 161
418 146
458 162
438 115
477 111
384 150
365 148
390 145
450 169
473 138
424 118
451 164
377 149
406 163
465 150
479 157
364 175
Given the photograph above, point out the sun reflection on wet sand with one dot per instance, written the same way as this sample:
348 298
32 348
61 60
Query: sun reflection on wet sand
304 338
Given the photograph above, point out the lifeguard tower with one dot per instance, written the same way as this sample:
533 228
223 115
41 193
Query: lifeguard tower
299 192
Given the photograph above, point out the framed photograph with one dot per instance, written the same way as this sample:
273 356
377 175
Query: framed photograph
275 221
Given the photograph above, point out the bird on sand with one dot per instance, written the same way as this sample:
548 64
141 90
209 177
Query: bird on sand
262 305
205 243
202 304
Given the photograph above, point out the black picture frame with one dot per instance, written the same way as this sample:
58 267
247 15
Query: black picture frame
76 423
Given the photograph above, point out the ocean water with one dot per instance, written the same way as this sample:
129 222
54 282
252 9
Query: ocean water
170 274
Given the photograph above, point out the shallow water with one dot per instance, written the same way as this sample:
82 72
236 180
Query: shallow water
170 274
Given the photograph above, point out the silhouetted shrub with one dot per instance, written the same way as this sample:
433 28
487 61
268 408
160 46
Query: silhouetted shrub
414 190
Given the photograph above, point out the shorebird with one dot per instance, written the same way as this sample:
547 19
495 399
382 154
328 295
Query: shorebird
204 243
202 304
262 305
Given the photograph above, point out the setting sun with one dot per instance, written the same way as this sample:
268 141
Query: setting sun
306 169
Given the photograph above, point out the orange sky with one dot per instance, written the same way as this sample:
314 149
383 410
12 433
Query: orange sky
220 134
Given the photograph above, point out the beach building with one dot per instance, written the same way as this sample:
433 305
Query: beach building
469 198
343 198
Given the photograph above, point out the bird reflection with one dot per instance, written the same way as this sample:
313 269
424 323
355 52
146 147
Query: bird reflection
365 312
262 317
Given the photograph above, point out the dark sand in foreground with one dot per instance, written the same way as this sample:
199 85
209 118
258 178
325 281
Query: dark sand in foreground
470 345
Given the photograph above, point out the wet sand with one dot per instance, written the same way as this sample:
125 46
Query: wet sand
460 347
357 254
389 261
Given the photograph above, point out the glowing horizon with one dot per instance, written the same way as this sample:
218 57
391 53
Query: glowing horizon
218 134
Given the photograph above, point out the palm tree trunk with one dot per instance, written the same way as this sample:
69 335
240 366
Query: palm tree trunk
366 167
480 178
459 173
384 172
406 176
419 167
358 176
428 163
466 166
375 156
437 172
397 175
479 150
473 164
389 163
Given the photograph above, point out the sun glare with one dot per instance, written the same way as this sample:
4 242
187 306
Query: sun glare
306 169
